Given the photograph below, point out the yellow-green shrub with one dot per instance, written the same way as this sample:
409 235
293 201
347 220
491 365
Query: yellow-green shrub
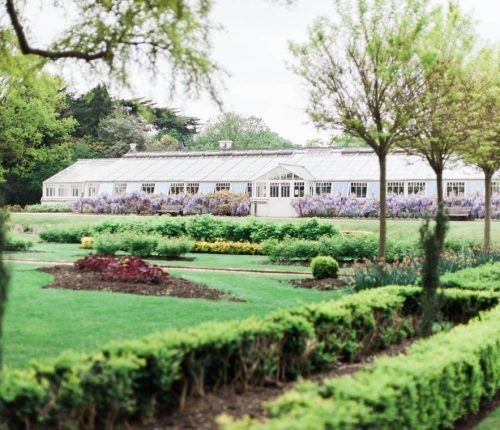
87 242
227 248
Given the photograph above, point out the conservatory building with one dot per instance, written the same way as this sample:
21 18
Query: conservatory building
271 178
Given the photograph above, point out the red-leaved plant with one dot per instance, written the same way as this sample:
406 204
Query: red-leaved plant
126 269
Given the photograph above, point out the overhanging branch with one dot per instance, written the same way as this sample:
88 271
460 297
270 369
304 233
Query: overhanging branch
50 54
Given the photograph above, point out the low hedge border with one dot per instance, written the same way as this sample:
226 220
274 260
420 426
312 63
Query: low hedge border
223 247
485 277
439 381
206 228
133 380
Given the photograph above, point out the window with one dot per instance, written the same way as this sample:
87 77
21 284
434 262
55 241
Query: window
298 189
260 189
76 190
249 189
148 188
177 188
323 188
416 188
274 189
222 186
119 189
285 189
495 187
455 189
50 191
397 188
192 187
92 190
359 189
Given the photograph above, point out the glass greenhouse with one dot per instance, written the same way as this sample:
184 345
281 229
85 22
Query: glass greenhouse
272 178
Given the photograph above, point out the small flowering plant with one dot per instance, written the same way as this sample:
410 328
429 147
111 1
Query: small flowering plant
125 269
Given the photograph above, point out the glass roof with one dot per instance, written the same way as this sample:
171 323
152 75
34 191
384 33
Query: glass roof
321 164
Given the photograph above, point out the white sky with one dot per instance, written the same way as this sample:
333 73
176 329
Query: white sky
253 48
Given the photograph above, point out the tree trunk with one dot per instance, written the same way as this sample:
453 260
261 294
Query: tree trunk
487 210
433 245
383 215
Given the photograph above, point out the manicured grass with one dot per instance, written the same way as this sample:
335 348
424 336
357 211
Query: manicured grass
491 422
41 323
408 229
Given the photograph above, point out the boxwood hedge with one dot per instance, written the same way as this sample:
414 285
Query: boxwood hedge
133 380
440 380
485 277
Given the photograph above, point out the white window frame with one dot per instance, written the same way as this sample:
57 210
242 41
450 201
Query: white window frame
148 188
495 187
323 188
285 190
453 185
93 189
192 188
412 185
260 189
358 189
274 189
249 189
119 189
177 188
50 191
222 186
76 190
398 185
299 189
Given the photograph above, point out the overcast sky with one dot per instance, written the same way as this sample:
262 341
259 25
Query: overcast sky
253 48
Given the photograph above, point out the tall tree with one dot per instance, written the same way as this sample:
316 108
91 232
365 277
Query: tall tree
481 145
246 133
361 74
90 109
119 34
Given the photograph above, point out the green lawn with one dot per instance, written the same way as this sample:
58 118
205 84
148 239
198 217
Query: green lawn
405 228
491 422
41 323
71 252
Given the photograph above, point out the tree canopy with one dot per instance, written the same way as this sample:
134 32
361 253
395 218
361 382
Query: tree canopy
246 132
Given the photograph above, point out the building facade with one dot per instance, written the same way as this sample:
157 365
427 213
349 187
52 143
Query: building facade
272 178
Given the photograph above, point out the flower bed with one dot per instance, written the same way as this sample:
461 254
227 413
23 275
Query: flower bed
416 206
125 269
219 203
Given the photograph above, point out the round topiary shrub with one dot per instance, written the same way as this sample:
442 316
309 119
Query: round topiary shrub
324 267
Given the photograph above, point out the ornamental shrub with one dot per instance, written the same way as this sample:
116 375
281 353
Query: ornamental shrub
324 267
107 244
205 227
221 247
448 375
45 208
135 379
485 277
173 247
65 235
87 242
16 244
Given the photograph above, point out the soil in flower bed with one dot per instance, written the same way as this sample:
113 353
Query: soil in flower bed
70 278
327 284
201 413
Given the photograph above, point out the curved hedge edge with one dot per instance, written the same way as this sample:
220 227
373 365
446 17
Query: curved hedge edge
133 380
484 277
439 381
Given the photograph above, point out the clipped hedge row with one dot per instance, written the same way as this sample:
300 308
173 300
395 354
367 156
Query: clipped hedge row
485 277
220 247
16 244
440 380
140 245
133 380
341 248
206 228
